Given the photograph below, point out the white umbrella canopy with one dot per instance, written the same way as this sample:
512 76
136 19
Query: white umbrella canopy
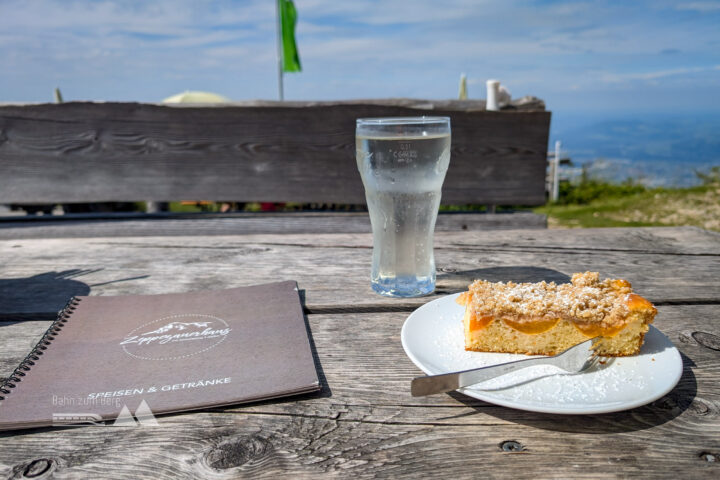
196 97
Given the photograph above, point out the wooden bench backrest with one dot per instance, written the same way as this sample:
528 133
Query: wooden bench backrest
264 152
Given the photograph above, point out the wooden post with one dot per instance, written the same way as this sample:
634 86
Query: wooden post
279 51
556 174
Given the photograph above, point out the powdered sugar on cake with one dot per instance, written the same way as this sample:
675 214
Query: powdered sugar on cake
586 299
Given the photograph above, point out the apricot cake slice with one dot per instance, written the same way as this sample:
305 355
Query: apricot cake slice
546 318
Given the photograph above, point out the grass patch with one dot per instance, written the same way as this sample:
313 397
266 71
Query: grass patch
602 204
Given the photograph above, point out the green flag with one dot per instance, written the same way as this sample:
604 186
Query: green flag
288 19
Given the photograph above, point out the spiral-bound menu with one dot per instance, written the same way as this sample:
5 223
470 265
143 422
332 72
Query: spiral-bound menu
123 360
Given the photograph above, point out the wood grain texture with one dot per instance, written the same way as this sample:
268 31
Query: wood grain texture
92 152
69 226
37 276
364 423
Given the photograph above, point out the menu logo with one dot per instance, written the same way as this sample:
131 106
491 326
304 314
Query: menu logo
175 336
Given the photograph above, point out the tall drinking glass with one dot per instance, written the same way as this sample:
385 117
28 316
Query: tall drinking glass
403 162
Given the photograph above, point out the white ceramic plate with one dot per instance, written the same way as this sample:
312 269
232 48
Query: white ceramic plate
432 337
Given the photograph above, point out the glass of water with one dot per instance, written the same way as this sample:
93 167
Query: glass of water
403 162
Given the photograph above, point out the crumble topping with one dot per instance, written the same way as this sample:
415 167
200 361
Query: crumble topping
586 300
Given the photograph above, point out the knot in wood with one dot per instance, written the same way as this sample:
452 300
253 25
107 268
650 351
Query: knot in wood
237 451
709 457
707 340
512 446
37 468
700 408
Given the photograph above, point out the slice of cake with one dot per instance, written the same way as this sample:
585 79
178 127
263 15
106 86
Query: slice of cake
545 318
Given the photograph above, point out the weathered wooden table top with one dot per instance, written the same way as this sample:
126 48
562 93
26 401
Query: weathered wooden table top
364 421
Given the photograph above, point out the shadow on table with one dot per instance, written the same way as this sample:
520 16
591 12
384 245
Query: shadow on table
661 411
450 280
325 390
41 296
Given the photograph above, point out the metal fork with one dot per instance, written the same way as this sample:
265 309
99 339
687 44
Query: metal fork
575 359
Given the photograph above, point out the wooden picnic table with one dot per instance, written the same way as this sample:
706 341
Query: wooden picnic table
364 422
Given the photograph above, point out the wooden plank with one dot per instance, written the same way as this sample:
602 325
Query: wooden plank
37 276
365 423
353 351
665 240
216 445
91 152
69 226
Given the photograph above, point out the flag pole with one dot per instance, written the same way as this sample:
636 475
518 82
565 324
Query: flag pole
279 50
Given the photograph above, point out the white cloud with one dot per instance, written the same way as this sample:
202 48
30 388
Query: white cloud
392 12
654 75
164 15
699 6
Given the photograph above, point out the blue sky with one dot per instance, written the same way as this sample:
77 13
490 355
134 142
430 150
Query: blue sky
602 56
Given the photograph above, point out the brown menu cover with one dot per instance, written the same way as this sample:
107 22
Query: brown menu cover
127 358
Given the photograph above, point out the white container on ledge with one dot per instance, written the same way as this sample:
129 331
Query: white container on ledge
497 95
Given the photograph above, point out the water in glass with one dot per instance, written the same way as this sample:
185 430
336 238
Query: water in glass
403 176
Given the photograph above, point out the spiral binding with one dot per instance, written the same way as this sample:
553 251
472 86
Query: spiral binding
16 376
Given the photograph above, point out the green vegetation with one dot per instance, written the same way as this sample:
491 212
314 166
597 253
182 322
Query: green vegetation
597 203
588 191
193 207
